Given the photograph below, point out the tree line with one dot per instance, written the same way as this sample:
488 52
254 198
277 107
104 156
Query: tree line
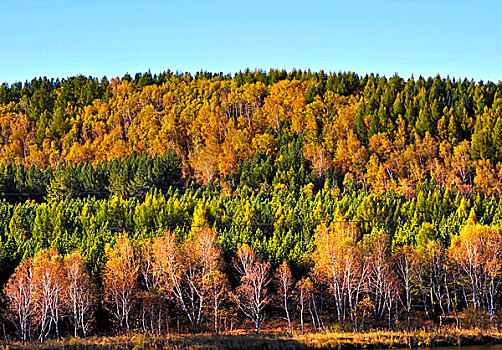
356 281
387 133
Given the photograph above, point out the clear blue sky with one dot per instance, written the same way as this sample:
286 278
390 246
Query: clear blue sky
63 38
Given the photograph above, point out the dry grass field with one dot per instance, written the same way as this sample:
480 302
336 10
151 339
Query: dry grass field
326 340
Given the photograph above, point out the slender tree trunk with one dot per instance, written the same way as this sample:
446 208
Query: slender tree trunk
57 327
75 324
143 311
84 329
287 313
216 330
301 317
313 318
389 315
319 321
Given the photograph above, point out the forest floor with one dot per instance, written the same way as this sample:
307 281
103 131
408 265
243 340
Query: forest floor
325 340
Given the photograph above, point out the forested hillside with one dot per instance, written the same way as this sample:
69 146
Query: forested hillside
371 201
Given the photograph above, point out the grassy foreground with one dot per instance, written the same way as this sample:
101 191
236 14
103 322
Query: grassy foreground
328 340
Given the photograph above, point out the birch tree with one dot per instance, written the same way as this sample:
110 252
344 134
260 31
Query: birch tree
477 252
252 295
285 282
50 284
120 279
80 293
183 270
20 293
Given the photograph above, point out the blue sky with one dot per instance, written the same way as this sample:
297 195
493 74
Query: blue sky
64 38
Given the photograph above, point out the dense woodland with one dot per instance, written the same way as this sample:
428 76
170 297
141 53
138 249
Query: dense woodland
208 202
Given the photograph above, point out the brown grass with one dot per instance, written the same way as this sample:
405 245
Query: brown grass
327 340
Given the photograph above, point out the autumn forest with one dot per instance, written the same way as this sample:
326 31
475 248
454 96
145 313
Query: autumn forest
292 200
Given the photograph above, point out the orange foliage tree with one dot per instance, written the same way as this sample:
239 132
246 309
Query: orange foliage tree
218 294
252 295
476 254
304 289
50 287
183 271
152 302
120 277
285 283
338 263
80 293
20 293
